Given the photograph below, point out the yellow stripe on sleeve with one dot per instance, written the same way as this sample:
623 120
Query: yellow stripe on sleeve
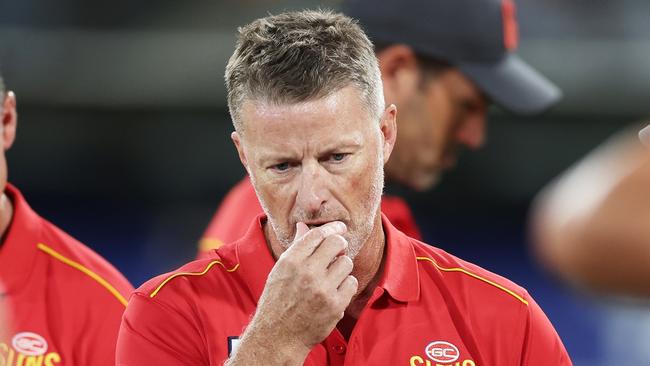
84 270
462 270
155 292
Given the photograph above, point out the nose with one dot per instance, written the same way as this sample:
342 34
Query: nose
471 132
312 191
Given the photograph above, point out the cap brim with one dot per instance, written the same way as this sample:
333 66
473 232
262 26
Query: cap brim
514 85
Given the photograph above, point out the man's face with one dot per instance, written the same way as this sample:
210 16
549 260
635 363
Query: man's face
438 117
316 162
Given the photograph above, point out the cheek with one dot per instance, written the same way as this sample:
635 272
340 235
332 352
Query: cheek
362 178
275 196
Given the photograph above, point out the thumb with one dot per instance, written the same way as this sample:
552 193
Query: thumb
301 229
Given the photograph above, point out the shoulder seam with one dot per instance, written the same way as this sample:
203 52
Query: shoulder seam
475 276
83 269
205 270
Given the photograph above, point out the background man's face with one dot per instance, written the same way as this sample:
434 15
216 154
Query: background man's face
437 118
315 162
7 131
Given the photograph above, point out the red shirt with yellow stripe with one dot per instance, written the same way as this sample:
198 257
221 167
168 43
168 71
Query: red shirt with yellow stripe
64 302
241 206
429 308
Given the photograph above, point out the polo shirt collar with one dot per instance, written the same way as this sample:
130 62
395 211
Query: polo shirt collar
18 250
400 278
254 256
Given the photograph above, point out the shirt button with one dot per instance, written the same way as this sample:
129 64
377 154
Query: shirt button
340 349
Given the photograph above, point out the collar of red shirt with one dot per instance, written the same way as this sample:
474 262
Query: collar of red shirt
18 250
400 278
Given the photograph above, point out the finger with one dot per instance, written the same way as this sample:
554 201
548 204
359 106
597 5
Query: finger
339 270
306 245
332 247
301 230
347 290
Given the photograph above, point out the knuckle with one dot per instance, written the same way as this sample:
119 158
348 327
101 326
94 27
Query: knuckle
317 234
287 261
307 278
353 282
321 296
347 263
337 242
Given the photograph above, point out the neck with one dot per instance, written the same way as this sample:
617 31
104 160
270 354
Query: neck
6 213
368 262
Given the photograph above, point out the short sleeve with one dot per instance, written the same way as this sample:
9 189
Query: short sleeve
542 345
154 333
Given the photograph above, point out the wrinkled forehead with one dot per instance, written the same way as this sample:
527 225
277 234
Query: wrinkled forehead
340 112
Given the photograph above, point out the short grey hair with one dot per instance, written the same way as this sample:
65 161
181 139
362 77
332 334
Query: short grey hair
302 56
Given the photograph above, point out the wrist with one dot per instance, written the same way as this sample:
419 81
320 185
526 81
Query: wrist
260 347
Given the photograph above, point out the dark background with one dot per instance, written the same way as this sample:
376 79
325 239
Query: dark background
123 137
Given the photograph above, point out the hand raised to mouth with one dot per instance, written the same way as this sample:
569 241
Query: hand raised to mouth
305 295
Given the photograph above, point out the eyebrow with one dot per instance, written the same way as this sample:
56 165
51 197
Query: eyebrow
270 155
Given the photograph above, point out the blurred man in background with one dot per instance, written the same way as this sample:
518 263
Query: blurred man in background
63 302
591 226
322 278
442 63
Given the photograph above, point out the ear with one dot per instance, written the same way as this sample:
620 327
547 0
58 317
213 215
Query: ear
9 120
236 139
400 71
388 127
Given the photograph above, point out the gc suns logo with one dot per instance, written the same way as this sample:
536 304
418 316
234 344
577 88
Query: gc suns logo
28 348
440 353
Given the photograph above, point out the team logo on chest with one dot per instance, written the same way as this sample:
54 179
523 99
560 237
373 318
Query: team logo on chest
29 344
27 348
440 353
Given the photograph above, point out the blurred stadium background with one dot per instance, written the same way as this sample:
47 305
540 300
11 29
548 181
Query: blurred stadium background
123 137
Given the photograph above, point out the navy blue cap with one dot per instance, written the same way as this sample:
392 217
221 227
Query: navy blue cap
478 36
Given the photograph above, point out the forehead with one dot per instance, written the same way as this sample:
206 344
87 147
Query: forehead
317 121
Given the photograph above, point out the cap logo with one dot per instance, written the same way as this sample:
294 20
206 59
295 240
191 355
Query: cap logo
510 27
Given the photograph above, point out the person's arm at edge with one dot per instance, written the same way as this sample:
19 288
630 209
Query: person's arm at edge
592 225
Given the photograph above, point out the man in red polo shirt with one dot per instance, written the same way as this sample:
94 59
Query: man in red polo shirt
322 278
441 63
63 302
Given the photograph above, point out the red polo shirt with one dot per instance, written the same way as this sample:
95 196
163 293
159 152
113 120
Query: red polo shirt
64 301
430 308
241 206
